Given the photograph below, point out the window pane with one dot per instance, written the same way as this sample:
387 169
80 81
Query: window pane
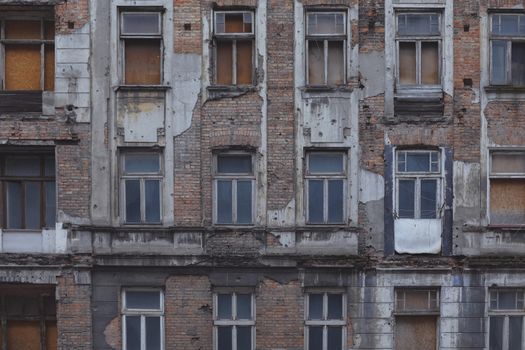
499 59
515 332
406 198
22 166
507 201
32 205
315 201
336 63
142 61
50 204
132 332
315 338
316 62
326 23
428 199
140 23
14 205
22 67
335 306
233 22
244 306
335 338
401 162
224 309
239 164
244 62
508 24
429 63
315 306
508 163
224 338
325 163
407 63
418 24
496 333
244 338
244 202
153 333
418 161
143 300
518 63
335 201
224 202
49 166
417 300
152 188
224 62
141 163
133 201
49 30
507 300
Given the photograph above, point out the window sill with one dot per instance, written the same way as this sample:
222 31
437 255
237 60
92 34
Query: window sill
327 88
507 227
505 88
142 88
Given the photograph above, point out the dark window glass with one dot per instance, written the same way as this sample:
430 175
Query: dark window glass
22 166
132 332
224 310
428 199
244 338
141 163
133 201
315 201
14 205
50 204
418 24
335 307
239 164
496 333
335 338
244 306
315 306
518 63
515 332
143 300
406 198
418 162
152 189
326 163
153 333
499 62
32 205
224 338
335 201
315 338
244 202
224 202
140 23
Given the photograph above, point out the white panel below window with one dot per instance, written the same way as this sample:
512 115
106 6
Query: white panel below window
418 236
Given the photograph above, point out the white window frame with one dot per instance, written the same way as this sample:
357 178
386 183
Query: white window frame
233 37
506 314
429 311
418 39
418 176
234 178
234 322
326 177
325 322
142 177
123 37
143 313
326 38
509 39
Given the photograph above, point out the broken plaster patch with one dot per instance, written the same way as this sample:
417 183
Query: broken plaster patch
282 217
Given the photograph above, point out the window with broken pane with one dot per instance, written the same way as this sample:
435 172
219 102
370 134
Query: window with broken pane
141 40
234 189
325 321
418 181
507 188
234 46
326 38
507 46
27 187
506 312
325 187
234 321
143 319
141 183
419 39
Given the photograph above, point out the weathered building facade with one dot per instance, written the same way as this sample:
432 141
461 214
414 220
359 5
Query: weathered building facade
262 174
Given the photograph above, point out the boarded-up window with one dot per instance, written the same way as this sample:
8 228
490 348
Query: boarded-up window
141 36
29 57
326 48
234 46
508 49
507 188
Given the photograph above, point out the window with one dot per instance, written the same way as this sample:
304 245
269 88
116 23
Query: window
506 312
28 53
507 41
234 189
326 48
234 46
141 39
325 321
507 188
142 319
141 183
27 184
416 317
418 40
325 187
418 181
234 321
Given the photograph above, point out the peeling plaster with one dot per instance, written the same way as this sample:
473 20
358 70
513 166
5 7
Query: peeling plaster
282 217
371 186
372 69
186 88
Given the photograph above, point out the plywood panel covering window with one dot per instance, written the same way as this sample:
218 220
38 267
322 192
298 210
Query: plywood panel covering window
141 38
28 58
234 45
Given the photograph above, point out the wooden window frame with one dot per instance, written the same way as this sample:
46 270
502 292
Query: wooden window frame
142 177
233 38
509 40
143 313
418 40
31 16
325 322
233 322
506 313
418 177
326 38
428 311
